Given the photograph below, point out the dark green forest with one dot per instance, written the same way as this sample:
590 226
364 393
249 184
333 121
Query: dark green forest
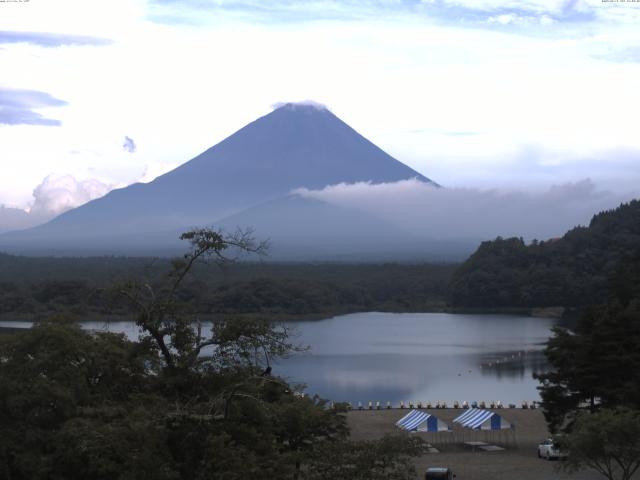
33 287
597 363
573 271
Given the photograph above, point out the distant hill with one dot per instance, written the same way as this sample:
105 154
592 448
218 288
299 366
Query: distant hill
576 270
18 219
295 146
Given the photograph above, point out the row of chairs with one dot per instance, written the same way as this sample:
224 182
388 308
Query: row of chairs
464 405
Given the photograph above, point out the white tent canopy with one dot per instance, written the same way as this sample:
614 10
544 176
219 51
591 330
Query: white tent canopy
478 419
418 421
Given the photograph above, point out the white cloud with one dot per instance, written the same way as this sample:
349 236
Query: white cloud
540 7
95 19
57 194
446 213
522 20
302 103
533 5
546 20
503 19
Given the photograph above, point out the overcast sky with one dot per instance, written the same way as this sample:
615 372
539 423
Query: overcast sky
483 94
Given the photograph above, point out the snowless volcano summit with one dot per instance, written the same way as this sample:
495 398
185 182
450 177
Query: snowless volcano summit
295 146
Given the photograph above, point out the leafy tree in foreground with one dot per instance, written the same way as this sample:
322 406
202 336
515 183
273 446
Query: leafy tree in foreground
57 380
178 403
597 364
607 441
163 315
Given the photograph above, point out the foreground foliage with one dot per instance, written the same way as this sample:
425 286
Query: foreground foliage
607 441
596 365
179 403
592 393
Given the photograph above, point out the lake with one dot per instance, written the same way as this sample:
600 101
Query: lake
421 357
406 357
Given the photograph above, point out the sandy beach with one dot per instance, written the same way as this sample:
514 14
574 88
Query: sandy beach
518 461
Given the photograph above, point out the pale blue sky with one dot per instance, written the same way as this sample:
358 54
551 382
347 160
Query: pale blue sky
472 93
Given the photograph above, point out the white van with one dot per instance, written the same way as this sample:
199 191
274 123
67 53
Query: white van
549 450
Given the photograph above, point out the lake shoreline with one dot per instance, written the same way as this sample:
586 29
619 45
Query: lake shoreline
537 312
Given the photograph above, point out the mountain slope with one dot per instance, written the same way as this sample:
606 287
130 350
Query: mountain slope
299 227
293 146
17 219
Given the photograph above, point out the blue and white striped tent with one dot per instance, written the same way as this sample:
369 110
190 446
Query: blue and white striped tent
478 419
418 421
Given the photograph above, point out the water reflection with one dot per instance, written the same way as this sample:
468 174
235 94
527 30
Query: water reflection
421 357
517 364
410 357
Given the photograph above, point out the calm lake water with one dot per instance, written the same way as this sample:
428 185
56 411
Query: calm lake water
411 356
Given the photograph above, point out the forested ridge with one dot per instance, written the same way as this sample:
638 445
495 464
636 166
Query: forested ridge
573 271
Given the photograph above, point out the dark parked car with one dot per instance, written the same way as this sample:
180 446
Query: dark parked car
439 473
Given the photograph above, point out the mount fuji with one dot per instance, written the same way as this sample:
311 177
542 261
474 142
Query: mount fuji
241 182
